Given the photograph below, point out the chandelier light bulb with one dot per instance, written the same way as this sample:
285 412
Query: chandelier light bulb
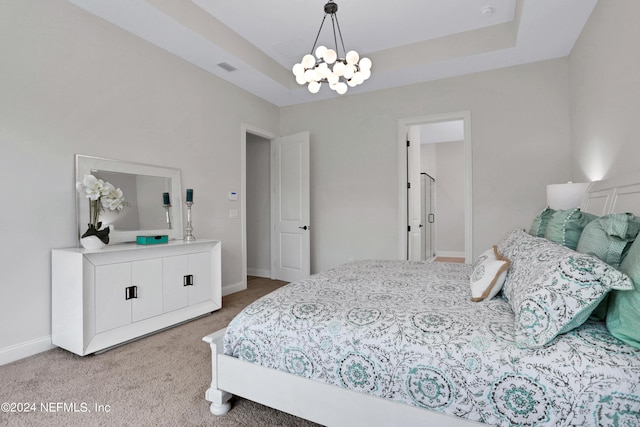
330 56
349 71
365 64
320 51
339 68
298 70
341 88
314 87
323 70
301 80
308 61
310 75
352 57
333 78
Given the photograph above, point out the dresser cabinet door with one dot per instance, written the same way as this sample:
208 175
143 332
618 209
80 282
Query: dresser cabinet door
146 276
174 293
178 291
200 269
112 308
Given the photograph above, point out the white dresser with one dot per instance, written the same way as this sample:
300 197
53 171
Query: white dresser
105 297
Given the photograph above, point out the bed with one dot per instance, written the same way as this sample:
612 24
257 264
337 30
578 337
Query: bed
400 343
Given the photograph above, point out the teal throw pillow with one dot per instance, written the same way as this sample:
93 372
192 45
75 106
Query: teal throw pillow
553 289
623 314
539 224
565 226
607 237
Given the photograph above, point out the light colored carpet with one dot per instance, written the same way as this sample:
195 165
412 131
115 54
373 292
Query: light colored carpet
159 380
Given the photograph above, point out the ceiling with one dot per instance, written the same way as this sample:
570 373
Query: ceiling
409 41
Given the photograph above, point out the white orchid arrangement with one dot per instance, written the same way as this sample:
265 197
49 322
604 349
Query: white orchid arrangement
102 196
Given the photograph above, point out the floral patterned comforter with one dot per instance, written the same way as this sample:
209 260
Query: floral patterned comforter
408 331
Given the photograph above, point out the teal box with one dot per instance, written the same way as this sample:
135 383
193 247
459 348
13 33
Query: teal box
152 240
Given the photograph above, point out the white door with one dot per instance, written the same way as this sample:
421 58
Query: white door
414 211
290 216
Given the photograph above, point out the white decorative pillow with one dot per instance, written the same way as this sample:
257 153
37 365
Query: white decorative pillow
487 277
553 289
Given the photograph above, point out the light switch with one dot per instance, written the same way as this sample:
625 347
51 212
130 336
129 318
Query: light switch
233 213
233 195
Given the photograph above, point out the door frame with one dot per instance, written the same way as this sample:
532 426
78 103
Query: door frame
244 129
403 128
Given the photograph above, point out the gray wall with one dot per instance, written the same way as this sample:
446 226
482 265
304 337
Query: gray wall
605 93
519 115
445 162
450 199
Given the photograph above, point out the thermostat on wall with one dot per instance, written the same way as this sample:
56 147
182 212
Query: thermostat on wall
233 195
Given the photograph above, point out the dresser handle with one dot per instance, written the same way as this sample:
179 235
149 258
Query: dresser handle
130 292
187 280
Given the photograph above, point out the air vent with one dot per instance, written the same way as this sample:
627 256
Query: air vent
227 67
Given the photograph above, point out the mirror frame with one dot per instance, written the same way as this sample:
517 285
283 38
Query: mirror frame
84 166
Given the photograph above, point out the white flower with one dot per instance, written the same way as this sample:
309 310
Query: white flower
91 187
113 200
102 196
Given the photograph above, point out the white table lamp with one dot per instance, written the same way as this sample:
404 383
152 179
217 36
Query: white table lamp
566 196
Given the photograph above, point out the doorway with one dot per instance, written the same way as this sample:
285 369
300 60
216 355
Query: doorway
252 135
411 233
284 207
258 206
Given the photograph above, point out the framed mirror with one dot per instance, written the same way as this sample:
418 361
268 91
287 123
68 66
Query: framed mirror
146 190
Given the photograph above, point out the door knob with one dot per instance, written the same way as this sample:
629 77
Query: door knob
304 227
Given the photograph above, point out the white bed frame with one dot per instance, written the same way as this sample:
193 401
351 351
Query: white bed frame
334 406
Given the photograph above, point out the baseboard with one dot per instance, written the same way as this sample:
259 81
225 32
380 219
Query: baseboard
259 272
450 254
25 349
233 288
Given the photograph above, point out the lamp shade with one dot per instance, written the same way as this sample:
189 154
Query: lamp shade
566 196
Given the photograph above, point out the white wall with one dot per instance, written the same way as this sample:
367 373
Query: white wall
428 160
450 199
258 207
520 137
72 83
605 93
447 157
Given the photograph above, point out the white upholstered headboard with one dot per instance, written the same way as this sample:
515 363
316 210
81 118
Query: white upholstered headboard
615 195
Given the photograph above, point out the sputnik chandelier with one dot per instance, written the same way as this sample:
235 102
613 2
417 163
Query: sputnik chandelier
327 67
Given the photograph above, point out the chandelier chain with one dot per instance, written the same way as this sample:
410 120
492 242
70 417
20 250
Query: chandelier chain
318 35
344 51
